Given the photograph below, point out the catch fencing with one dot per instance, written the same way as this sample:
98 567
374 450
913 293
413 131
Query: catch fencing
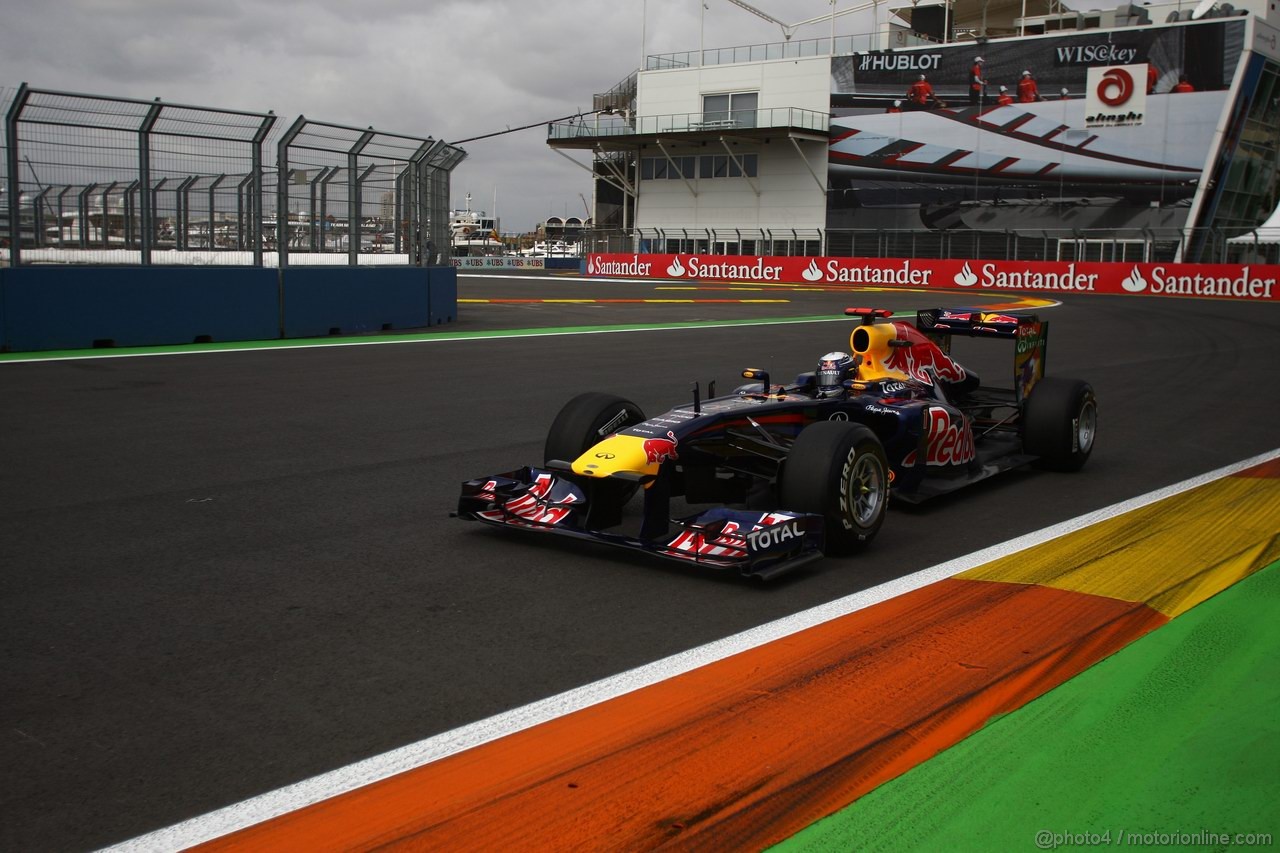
95 179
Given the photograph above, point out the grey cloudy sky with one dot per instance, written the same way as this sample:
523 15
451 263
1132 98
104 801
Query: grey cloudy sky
450 69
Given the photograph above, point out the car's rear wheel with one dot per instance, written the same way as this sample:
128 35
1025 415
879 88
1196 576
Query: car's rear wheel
584 421
1060 423
838 470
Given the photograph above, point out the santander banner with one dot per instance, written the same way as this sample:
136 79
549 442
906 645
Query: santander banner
1223 281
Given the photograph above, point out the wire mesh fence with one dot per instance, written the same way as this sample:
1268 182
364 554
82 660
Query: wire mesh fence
96 179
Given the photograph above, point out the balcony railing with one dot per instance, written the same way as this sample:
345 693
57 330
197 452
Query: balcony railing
618 126
799 49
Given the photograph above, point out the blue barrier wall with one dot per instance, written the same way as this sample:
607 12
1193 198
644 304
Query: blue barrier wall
57 307
444 295
353 300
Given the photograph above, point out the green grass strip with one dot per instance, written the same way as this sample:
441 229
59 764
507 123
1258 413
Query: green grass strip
406 338
1171 742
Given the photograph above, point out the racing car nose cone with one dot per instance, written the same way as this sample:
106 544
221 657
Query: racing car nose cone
624 454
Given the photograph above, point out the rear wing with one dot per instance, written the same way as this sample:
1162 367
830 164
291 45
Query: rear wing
1029 332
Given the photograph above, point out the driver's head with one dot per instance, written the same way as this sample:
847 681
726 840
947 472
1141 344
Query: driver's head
834 369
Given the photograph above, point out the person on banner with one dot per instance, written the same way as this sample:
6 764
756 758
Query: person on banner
1183 85
1028 91
1004 99
920 96
977 85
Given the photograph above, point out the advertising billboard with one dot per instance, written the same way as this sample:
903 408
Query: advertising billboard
1254 283
1093 130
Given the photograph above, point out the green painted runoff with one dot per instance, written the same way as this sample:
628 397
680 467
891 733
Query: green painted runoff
1172 742
392 338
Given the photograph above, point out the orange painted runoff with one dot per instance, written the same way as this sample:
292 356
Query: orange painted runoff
743 752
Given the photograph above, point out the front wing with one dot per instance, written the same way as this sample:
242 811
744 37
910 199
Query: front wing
757 544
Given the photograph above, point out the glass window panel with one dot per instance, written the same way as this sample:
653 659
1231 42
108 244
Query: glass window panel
742 108
715 107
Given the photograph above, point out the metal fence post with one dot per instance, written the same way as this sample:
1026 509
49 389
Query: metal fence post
38 225
313 230
183 198
282 190
354 212
62 234
255 173
82 206
324 206
14 186
130 213
148 197
244 198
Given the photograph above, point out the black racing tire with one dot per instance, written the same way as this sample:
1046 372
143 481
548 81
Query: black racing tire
577 426
575 430
838 470
1060 423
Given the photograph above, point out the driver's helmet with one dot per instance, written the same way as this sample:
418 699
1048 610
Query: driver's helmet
833 369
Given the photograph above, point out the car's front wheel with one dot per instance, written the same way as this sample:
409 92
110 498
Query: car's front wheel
838 470
584 421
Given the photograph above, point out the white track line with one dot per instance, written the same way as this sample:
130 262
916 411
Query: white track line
331 784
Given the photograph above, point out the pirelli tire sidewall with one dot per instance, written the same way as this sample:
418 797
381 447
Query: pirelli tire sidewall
838 470
1060 423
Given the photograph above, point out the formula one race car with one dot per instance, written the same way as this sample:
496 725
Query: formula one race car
800 470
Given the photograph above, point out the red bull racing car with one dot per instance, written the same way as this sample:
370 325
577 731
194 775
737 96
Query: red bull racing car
796 471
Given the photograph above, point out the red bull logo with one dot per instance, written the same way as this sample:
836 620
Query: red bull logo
659 450
923 354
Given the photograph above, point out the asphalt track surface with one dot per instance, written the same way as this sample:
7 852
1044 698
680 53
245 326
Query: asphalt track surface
227 572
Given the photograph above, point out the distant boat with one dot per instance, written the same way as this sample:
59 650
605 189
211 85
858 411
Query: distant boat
554 249
474 233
